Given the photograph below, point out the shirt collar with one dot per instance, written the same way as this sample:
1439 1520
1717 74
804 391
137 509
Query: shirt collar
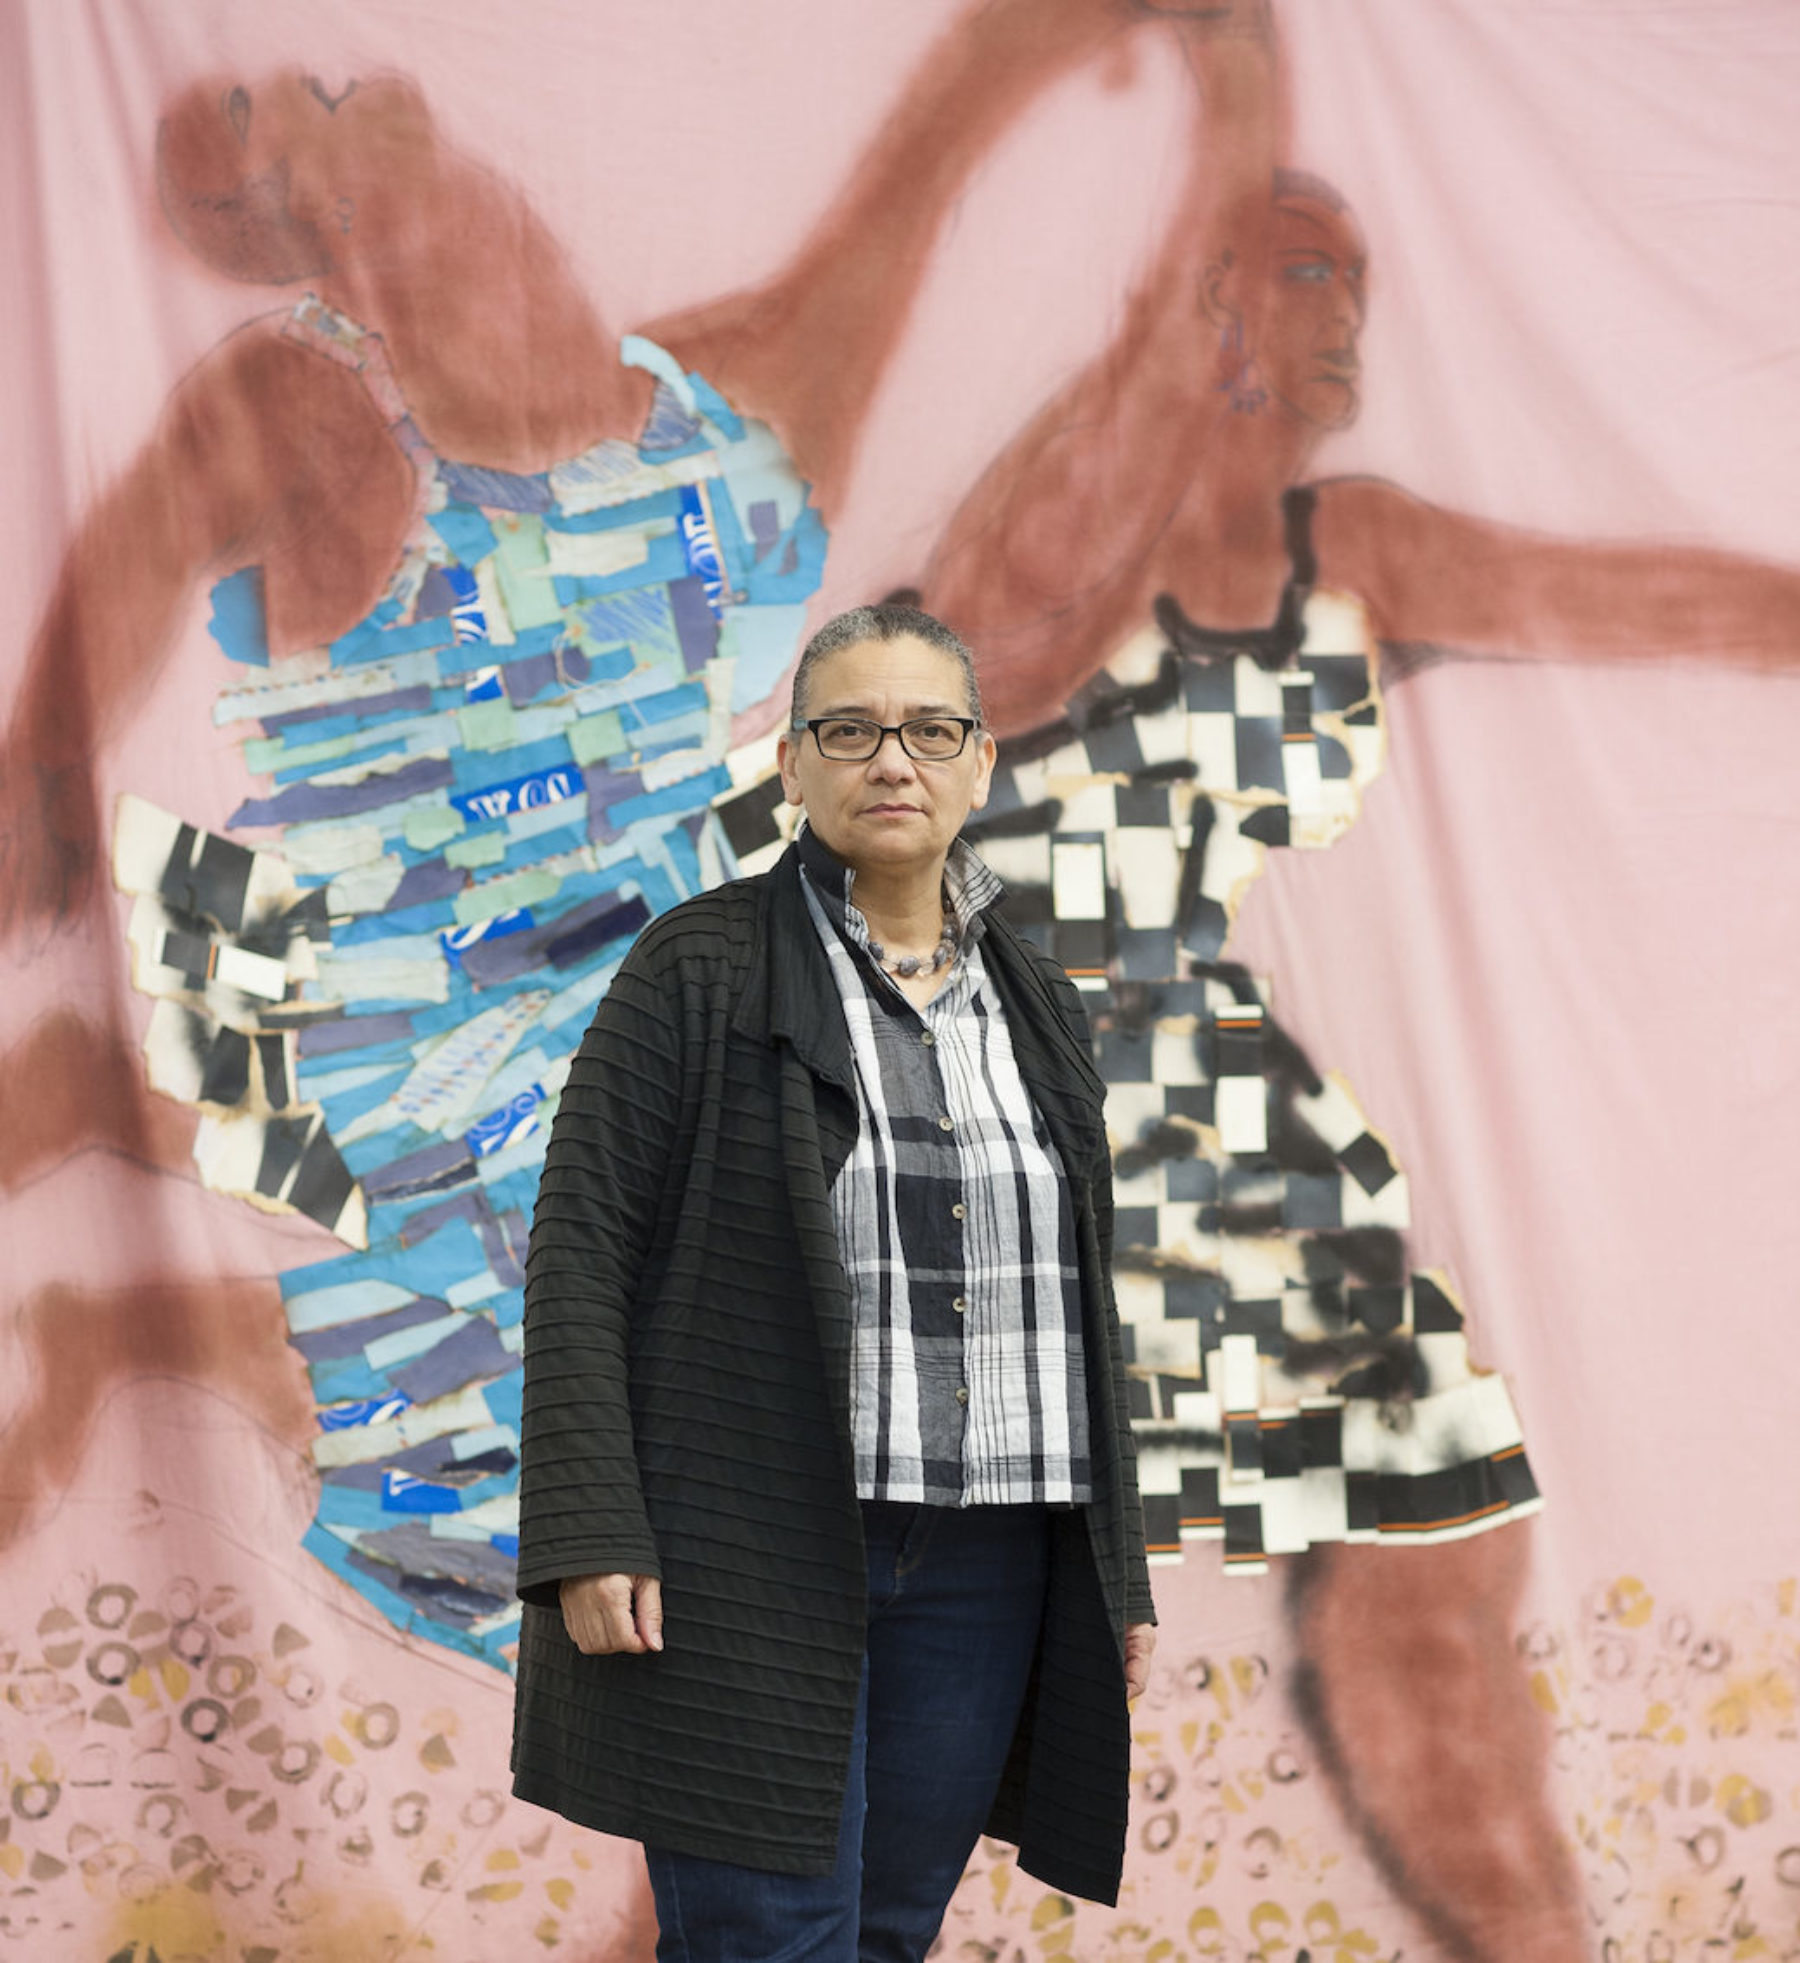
970 886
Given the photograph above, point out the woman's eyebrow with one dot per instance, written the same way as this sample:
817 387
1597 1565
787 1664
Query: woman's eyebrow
913 709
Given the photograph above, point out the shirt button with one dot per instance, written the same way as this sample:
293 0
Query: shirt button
962 1393
946 1124
959 1211
960 1305
929 1040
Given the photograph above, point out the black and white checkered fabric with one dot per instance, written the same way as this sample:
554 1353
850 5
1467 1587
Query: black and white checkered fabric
967 1382
1296 1380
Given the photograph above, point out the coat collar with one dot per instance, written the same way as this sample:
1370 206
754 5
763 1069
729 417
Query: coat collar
789 997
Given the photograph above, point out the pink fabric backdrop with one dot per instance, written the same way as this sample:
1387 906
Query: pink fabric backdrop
1556 957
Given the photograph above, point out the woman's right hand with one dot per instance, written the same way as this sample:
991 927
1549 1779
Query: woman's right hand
612 1614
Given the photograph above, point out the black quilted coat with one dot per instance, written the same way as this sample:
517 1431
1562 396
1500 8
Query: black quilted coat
687 1336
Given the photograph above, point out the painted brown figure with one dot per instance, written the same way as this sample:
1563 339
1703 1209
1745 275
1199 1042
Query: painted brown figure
270 455
1160 471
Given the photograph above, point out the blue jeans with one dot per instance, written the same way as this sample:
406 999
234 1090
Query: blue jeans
956 1597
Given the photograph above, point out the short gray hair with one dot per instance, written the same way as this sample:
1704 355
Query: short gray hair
888 621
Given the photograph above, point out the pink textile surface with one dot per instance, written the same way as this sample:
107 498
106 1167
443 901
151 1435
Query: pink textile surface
1555 959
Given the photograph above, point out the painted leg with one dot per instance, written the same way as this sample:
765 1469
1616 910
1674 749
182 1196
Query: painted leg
1411 1689
69 1084
80 1347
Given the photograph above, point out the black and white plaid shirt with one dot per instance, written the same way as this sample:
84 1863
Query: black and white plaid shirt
968 1384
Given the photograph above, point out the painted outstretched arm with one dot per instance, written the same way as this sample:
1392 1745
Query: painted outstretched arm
1438 577
1048 559
267 455
806 350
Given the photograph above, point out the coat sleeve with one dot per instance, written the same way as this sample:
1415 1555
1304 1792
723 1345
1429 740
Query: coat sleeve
1139 1605
581 1506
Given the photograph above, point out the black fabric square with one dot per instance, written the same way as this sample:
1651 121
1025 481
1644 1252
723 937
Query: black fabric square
749 818
323 1183
310 915
1209 687
1322 1436
1362 1509
1207 926
1244 1437
272 1051
222 880
1081 945
1432 1499
1311 1201
1512 1478
1193 1101
1134 1226
1115 747
1191 1179
1261 1319
1267 824
1201 1297
1334 759
1200 1497
1143 804
1125 1055
1365 1159
1238 1052
1379 1310
1162 1523
189 953
1340 681
1259 765
1144 953
1281 1441
283 1141
227 1074
1433 1312
1243 1533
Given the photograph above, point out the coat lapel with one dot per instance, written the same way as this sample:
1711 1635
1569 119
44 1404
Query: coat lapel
789 1001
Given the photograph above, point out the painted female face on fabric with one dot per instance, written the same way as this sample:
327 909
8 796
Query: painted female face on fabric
1312 319
891 812
258 179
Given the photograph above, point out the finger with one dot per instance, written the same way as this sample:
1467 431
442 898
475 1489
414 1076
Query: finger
615 1608
597 1614
586 1630
649 1611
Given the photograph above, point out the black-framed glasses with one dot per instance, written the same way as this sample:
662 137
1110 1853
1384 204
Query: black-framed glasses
926 739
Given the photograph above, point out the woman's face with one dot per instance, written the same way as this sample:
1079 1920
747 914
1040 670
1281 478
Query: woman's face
1312 320
892 813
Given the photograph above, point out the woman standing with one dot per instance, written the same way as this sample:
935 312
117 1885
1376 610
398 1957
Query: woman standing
830 1543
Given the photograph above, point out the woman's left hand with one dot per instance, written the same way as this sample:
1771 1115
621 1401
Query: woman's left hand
1140 1646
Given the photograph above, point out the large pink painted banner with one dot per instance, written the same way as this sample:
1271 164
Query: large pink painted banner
1363 427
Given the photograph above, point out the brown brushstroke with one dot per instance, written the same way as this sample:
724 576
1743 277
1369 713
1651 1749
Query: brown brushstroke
1160 468
83 1346
67 1085
269 454
1411 1691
